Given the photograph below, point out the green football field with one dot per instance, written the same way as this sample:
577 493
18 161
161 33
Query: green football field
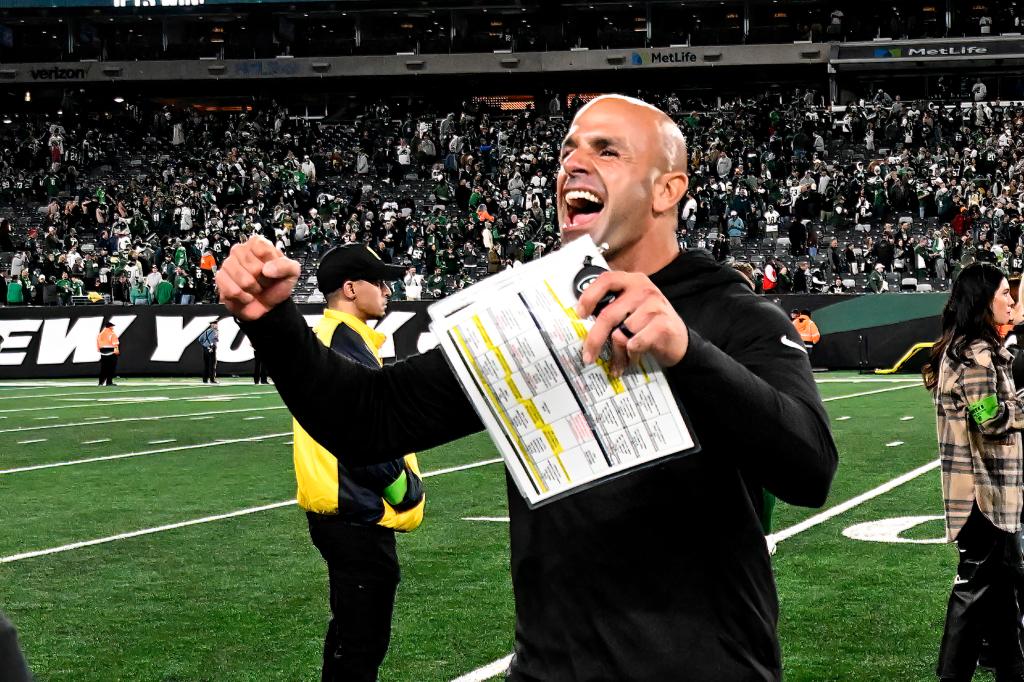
149 534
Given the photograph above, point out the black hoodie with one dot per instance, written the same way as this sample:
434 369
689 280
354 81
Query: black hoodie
659 575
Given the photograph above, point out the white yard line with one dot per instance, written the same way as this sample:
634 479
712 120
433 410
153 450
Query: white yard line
94 442
206 519
141 381
123 389
145 531
165 440
462 467
140 453
831 512
132 400
880 390
914 380
34 440
487 519
486 672
146 419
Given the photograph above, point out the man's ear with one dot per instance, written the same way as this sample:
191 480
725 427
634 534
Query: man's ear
669 189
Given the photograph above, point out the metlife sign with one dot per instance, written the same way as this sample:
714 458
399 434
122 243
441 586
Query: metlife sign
952 50
927 50
160 340
663 58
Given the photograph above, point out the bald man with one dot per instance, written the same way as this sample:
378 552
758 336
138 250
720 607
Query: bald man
659 575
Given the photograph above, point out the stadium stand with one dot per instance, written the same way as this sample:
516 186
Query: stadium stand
813 198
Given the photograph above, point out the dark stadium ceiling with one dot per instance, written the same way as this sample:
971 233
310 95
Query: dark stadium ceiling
408 7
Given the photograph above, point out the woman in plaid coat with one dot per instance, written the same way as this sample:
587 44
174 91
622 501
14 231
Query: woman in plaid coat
979 423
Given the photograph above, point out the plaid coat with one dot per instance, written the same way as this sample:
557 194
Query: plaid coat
979 419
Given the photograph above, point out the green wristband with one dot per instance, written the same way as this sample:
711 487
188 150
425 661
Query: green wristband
985 409
395 492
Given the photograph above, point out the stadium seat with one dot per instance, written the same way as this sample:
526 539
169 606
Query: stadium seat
924 287
908 284
850 283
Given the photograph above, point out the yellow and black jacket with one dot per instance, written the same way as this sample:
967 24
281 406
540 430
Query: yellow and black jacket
389 494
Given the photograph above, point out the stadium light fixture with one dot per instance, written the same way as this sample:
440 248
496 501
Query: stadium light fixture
119 100
7 120
28 96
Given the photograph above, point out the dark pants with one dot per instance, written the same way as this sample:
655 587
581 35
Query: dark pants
108 367
259 371
362 569
209 364
12 663
985 603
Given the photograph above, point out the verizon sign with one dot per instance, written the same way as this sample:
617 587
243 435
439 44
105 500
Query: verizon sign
159 340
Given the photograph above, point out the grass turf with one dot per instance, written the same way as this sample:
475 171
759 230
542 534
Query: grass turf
245 598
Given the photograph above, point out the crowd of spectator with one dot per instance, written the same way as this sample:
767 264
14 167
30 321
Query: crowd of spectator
141 207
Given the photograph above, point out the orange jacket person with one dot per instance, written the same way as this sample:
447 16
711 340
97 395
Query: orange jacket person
805 326
109 347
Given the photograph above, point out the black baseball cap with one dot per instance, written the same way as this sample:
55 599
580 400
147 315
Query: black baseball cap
351 262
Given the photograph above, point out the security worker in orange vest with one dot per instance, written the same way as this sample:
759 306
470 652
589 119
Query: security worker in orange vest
354 512
109 347
805 327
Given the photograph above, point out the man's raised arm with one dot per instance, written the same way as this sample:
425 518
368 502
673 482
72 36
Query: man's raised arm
367 415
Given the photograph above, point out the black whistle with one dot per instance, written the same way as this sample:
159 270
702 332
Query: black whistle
584 278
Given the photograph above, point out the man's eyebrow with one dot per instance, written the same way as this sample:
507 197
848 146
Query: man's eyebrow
603 142
594 142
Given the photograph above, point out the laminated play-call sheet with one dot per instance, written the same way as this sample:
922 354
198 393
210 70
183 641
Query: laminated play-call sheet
515 343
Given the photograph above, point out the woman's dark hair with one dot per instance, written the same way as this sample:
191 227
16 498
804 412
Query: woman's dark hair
966 318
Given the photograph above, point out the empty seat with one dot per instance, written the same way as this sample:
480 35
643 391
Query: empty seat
924 286
908 284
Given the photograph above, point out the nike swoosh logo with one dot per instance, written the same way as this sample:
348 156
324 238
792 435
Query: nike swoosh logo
960 581
786 341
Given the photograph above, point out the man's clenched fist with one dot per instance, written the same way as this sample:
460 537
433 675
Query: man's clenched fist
255 278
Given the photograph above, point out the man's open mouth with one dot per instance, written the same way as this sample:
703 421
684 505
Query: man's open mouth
581 208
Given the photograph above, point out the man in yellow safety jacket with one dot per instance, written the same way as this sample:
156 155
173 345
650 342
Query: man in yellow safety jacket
353 512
